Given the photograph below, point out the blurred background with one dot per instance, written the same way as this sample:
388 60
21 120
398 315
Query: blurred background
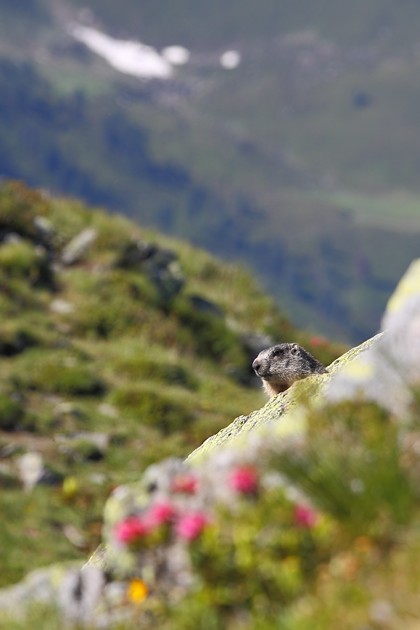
283 135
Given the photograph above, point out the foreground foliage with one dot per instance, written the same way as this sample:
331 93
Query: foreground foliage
279 534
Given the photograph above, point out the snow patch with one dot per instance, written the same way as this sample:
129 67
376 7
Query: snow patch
127 56
230 59
176 55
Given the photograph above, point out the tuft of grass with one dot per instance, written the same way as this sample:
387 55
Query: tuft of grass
11 412
57 372
20 259
372 493
153 408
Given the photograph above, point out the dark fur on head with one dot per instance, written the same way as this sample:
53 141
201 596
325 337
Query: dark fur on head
281 365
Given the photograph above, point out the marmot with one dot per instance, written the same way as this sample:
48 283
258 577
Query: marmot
281 365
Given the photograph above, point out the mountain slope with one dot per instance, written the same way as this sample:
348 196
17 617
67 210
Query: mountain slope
294 162
117 347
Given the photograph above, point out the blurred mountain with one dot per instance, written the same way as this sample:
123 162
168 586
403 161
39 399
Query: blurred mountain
284 135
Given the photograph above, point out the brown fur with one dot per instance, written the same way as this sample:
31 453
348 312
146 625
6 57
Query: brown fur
281 365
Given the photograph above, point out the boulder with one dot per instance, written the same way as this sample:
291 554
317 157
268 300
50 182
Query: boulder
159 264
384 369
78 247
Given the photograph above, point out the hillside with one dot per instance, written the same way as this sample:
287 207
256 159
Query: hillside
300 161
302 514
118 347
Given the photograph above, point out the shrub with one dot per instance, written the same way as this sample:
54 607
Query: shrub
249 548
371 492
259 528
152 408
15 338
137 366
20 259
210 334
61 373
112 303
19 206
11 413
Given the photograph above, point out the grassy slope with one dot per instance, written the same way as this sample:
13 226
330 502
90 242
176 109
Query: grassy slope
156 376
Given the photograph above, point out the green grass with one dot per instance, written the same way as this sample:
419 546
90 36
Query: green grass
156 376
398 209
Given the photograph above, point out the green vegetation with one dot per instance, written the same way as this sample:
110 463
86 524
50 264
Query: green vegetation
150 355
320 531
249 164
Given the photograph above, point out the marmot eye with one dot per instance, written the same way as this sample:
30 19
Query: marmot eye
278 352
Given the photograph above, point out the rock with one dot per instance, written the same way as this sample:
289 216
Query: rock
14 339
390 369
76 591
78 247
80 593
75 536
9 450
383 368
164 271
284 413
85 446
205 306
61 307
159 264
31 469
12 237
45 231
68 417
168 280
134 253
108 410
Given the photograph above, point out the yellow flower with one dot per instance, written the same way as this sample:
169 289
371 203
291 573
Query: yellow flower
70 487
137 591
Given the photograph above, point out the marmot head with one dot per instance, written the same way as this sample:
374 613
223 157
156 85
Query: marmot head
281 365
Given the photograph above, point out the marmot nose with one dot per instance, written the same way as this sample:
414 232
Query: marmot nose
256 365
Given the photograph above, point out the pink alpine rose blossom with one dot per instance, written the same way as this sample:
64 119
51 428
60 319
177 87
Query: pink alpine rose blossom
191 525
185 483
305 516
160 513
131 529
244 479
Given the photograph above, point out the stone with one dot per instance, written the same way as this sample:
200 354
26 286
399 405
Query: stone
160 265
205 306
283 412
61 307
78 247
31 469
389 370
134 253
45 231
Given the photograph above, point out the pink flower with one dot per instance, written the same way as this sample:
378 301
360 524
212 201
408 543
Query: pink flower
191 525
305 516
160 514
185 483
131 529
244 479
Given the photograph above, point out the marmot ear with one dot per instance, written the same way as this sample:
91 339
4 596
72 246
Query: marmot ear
294 349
